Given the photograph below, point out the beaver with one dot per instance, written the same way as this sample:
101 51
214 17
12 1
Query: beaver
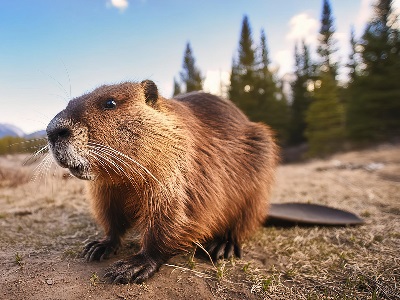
192 170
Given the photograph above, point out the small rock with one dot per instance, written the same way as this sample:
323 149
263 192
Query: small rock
374 167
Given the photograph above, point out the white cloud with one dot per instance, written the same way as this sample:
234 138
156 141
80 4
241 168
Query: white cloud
120 4
216 82
284 61
364 15
303 26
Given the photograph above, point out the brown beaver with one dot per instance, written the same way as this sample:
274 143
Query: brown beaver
185 171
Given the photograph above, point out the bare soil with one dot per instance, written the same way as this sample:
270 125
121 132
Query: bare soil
45 220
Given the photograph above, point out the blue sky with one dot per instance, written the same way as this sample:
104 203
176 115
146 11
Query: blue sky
53 50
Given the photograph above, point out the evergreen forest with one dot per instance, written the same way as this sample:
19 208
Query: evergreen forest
321 112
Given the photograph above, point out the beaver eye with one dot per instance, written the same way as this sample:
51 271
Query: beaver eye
110 104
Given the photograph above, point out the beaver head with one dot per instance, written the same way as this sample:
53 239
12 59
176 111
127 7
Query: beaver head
107 123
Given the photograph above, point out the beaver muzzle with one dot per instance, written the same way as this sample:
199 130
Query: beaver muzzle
67 149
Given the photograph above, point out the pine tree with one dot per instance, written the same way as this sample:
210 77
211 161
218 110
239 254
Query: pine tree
301 96
177 88
353 64
325 115
264 87
243 78
327 42
265 61
353 67
254 88
374 110
234 87
272 107
190 76
325 122
246 48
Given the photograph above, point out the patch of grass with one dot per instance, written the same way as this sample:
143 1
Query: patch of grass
220 270
395 235
94 279
14 177
270 283
71 253
378 238
365 214
246 267
266 283
290 273
191 262
19 259
324 263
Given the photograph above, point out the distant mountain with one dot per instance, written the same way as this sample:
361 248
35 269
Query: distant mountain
12 130
36 135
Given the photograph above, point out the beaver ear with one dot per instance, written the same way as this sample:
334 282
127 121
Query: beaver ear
150 91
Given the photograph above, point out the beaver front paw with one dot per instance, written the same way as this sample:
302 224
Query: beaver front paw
136 269
99 250
224 247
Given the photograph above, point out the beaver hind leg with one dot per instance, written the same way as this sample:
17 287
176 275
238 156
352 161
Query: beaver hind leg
224 247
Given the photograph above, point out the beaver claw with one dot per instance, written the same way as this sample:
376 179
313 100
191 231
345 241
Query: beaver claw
137 269
224 248
99 250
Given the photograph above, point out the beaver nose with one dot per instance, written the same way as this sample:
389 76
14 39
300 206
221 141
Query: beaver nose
58 134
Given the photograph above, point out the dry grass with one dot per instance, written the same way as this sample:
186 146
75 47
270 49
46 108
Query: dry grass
43 224
12 178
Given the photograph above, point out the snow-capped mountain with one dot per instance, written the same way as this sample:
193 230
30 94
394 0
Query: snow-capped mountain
10 130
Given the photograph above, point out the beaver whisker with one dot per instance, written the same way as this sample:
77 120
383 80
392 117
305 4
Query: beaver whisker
103 164
36 154
38 171
47 167
41 150
112 156
40 165
112 153
121 157
127 157
103 161
106 162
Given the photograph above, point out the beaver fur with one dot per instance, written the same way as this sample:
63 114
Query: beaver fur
180 172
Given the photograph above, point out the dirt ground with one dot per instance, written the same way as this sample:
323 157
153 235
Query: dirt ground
45 220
